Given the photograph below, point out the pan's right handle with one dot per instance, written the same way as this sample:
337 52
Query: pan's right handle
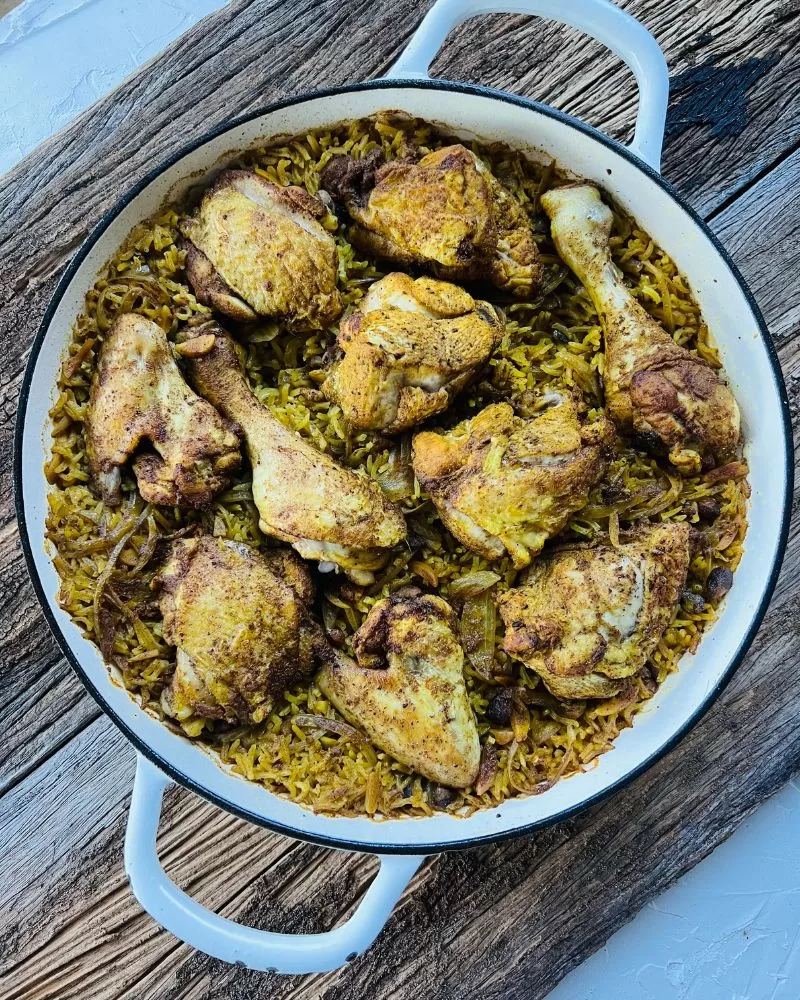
601 19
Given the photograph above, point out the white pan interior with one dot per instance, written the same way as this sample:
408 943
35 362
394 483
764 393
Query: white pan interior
746 359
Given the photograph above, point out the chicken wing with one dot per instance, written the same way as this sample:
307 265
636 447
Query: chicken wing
408 349
241 625
447 213
138 394
303 497
502 483
587 618
407 689
257 249
668 396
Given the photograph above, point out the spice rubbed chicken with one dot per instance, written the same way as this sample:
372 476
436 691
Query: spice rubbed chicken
587 618
407 690
138 395
327 513
661 391
257 249
447 213
407 350
506 483
241 623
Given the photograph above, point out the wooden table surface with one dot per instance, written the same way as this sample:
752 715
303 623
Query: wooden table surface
507 921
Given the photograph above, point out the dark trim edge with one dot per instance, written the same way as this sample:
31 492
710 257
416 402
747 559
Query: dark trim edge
332 841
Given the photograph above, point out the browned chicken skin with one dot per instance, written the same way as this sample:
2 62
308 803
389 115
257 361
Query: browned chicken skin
258 249
447 213
138 394
303 496
587 618
654 387
407 689
502 483
241 623
408 349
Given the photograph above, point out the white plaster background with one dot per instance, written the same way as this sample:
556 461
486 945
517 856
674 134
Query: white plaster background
730 929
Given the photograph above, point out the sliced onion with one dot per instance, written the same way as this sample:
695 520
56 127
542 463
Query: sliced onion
108 569
328 725
733 470
473 584
397 482
425 572
487 770
478 625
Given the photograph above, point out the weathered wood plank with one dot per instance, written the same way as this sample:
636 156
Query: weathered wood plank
762 233
69 917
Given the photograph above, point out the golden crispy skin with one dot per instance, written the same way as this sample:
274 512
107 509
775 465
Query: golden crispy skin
241 623
409 348
587 618
654 387
447 213
503 483
138 394
407 689
303 496
258 249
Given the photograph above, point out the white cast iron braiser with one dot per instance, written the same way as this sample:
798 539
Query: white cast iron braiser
631 177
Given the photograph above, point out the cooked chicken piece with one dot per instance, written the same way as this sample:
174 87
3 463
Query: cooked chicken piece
258 249
502 483
408 349
407 690
138 394
587 618
655 388
447 213
303 497
241 623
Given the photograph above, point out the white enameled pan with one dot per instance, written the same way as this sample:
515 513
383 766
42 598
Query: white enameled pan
630 175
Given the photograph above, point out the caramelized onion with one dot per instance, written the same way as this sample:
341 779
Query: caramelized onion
329 725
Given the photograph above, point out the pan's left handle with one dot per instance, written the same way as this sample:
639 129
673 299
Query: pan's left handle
601 19
264 951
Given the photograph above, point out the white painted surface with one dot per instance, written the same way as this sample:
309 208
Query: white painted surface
59 56
730 930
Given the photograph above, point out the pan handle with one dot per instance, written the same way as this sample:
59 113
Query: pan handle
264 951
601 19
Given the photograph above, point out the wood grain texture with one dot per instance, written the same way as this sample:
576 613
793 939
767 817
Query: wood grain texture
478 923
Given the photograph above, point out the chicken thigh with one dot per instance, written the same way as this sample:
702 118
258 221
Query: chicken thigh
303 496
654 387
447 213
503 483
587 618
408 349
138 394
407 690
257 249
241 625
